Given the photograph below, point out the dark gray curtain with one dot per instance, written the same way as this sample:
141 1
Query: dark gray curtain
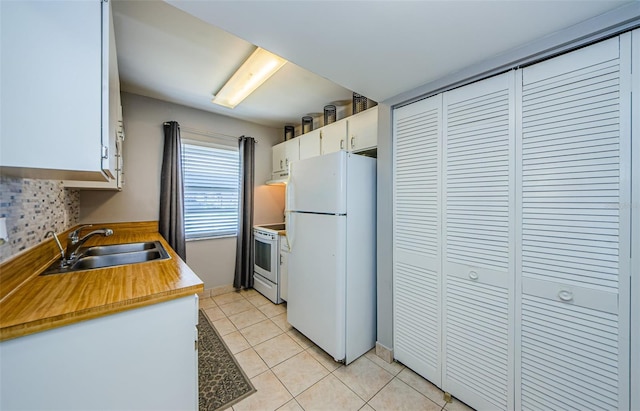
244 249
171 222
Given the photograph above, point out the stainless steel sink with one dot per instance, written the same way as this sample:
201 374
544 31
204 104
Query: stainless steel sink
119 248
102 256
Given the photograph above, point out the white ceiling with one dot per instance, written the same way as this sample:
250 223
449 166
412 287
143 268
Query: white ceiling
380 49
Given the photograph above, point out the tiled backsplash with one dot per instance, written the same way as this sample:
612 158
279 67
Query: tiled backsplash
33 207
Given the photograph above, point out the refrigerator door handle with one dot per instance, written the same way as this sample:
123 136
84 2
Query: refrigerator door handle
289 231
288 215
289 191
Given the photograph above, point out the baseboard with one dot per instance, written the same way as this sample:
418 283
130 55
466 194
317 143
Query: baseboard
212 292
383 352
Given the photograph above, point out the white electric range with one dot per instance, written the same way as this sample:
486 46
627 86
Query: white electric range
266 268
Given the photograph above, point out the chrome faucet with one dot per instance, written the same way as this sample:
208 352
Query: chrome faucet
63 260
75 241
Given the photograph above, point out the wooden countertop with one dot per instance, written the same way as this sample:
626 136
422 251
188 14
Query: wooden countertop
37 303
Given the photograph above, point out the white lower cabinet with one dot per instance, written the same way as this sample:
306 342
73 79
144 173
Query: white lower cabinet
140 359
512 235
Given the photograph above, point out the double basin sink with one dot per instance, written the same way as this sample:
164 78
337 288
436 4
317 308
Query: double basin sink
102 256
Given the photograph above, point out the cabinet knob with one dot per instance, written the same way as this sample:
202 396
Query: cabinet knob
565 295
353 142
473 275
281 164
341 144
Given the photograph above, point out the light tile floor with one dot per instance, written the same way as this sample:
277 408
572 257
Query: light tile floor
290 372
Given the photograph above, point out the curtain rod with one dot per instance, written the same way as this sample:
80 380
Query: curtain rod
206 133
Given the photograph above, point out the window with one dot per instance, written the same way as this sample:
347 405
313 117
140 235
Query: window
210 190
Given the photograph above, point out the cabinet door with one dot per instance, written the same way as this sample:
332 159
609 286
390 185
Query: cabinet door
310 144
334 137
417 273
116 183
52 89
574 198
278 155
138 359
292 152
363 130
110 94
478 235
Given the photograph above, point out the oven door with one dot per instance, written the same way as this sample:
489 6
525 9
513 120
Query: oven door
265 251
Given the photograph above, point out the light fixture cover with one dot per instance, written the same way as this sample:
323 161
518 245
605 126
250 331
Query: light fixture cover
260 65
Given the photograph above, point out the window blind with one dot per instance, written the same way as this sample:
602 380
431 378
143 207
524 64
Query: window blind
211 184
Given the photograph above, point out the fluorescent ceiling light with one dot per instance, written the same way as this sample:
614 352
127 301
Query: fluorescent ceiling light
256 70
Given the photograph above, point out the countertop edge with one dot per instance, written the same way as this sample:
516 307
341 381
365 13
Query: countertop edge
49 323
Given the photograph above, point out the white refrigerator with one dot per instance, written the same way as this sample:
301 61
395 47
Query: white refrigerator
331 229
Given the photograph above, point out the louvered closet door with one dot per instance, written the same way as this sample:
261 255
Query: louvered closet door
417 237
478 154
575 231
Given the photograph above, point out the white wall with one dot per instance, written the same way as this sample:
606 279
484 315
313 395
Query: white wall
212 260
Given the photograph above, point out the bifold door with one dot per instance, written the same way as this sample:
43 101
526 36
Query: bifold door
478 248
513 210
417 237
575 232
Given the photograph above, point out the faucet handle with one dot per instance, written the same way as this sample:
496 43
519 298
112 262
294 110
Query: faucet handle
75 234
55 237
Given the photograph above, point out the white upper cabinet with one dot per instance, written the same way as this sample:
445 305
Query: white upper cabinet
363 130
310 144
334 137
355 133
284 154
56 84
111 103
277 156
292 152
114 183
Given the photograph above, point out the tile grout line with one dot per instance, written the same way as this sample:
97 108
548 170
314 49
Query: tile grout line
382 388
416 390
357 395
312 385
307 350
